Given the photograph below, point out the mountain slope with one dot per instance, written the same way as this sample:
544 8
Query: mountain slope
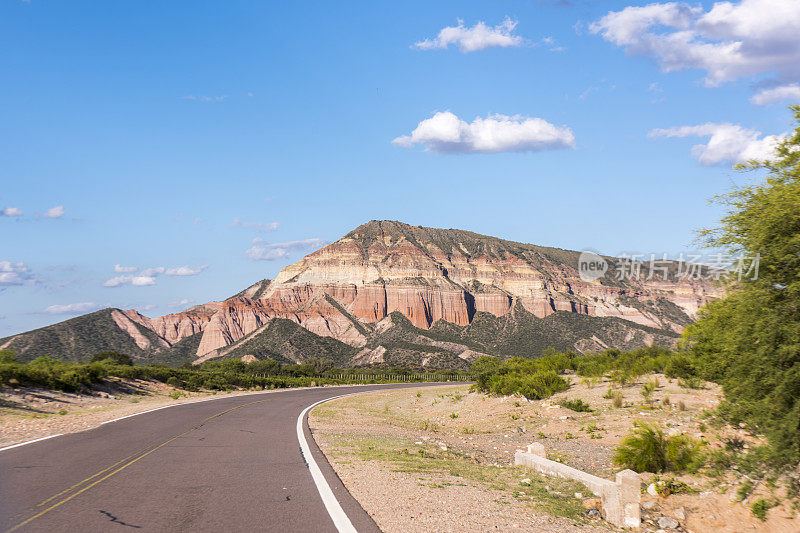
392 292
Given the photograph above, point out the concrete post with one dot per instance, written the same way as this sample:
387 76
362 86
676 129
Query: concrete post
537 448
630 495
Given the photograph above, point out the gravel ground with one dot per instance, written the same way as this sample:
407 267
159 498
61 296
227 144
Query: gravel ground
488 430
435 500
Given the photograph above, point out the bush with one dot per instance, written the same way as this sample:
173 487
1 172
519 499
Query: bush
615 396
174 382
115 358
576 405
646 449
760 508
680 366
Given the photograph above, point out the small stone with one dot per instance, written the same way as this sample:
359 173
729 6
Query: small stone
667 523
526 481
520 430
591 503
679 513
649 505
651 489
594 513
579 495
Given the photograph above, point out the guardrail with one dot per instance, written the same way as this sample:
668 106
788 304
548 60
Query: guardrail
619 499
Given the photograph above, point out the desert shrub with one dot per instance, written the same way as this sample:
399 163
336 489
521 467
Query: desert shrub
680 366
8 356
576 405
647 449
760 508
530 378
174 382
112 357
667 486
691 382
535 386
648 389
615 396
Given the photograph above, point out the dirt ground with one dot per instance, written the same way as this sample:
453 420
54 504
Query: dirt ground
370 439
28 413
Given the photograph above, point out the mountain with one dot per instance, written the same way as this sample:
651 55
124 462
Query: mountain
389 292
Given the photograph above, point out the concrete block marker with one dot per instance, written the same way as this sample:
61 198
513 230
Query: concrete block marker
620 499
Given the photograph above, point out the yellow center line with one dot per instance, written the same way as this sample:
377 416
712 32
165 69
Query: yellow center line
124 466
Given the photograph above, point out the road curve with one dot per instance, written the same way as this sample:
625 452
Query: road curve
231 464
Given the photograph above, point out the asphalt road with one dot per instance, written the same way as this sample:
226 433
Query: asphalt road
232 464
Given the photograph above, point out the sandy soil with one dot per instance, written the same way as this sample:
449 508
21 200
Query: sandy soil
489 430
443 480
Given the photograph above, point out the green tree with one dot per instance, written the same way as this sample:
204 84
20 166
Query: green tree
749 341
8 356
116 357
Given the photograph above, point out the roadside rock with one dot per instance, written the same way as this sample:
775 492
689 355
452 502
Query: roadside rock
667 523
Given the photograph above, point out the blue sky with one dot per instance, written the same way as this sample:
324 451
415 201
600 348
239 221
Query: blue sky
150 128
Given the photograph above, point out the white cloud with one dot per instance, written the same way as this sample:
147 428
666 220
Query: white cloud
445 133
140 280
478 37
11 212
776 94
71 309
181 303
258 226
730 41
185 271
148 276
15 274
152 271
137 281
281 250
201 98
727 143
54 212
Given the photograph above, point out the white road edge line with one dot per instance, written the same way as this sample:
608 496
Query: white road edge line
340 520
30 442
171 405
157 409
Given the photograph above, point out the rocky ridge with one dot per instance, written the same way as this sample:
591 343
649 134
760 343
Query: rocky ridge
429 281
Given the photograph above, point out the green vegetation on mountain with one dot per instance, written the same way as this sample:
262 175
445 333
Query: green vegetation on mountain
78 337
285 341
750 341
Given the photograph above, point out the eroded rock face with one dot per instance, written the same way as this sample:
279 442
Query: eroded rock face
174 327
346 288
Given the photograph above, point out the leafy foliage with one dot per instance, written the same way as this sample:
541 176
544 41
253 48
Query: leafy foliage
576 405
533 378
114 357
647 449
750 340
